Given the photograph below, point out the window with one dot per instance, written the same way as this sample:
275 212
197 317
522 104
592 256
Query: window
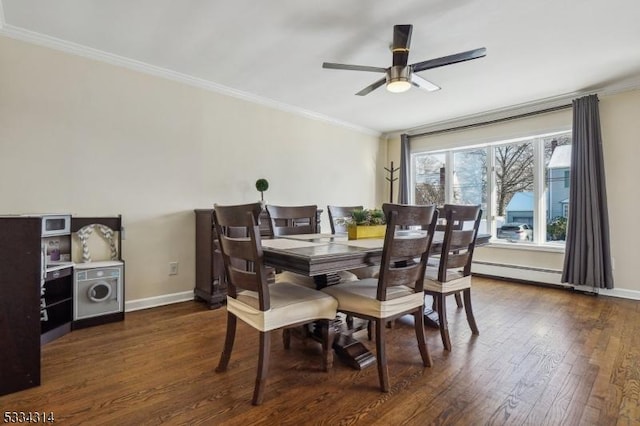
522 185
430 176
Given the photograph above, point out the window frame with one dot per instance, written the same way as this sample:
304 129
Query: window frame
489 216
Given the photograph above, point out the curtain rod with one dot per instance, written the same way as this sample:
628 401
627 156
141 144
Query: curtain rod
497 120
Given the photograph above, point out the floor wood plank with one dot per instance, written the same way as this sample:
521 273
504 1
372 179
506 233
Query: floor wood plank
543 356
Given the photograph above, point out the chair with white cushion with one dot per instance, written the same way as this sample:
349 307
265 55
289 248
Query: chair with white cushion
292 220
398 290
452 274
262 306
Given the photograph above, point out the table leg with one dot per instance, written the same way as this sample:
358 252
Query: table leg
352 352
348 349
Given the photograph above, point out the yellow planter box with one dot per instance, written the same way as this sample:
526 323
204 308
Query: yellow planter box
372 231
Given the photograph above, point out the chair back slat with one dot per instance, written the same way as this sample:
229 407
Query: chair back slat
461 231
292 220
457 260
243 248
246 280
412 244
460 239
406 248
340 212
403 274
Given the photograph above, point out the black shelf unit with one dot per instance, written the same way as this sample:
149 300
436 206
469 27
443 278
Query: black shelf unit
56 305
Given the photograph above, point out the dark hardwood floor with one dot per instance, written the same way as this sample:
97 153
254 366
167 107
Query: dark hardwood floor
543 356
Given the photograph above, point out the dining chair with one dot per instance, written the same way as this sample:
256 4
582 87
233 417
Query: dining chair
338 227
398 290
262 306
452 273
434 260
336 213
291 220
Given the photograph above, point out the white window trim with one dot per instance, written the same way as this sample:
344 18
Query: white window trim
540 243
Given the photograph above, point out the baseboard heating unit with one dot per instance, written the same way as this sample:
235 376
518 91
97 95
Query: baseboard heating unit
519 273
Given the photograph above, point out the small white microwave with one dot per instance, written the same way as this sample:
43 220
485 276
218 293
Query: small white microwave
54 224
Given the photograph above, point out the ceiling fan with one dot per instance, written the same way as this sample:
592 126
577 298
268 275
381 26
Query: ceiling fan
399 77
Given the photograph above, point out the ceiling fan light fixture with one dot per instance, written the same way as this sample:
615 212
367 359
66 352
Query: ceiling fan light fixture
398 86
398 80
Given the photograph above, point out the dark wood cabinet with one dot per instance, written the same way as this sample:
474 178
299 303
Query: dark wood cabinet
20 284
211 283
211 286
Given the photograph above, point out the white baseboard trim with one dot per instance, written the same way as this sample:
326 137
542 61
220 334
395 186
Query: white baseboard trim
621 292
152 302
515 272
543 276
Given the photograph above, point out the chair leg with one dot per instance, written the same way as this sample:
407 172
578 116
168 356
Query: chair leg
422 341
328 336
349 321
263 367
469 310
228 343
444 327
286 338
383 372
458 300
369 329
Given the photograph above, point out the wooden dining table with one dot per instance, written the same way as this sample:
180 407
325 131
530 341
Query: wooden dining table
322 256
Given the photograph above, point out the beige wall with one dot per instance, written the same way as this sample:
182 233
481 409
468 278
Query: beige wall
89 138
619 117
620 129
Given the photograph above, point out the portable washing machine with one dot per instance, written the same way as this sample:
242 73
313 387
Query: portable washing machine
97 289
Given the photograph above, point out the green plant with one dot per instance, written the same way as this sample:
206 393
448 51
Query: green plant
557 229
364 217
262 185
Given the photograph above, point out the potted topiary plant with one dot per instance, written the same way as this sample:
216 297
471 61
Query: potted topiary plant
262 185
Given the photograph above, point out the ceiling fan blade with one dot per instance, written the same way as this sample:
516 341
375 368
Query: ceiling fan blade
448 60
331 65
401 43
370 88
420 82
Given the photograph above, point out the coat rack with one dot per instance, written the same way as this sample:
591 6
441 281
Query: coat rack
391 179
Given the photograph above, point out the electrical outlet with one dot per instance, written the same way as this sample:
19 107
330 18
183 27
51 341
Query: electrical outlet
173 268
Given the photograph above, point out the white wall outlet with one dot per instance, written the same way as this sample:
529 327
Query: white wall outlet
173 268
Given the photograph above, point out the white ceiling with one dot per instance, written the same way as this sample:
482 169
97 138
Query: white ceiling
272 51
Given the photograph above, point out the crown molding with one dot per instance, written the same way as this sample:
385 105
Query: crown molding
121 61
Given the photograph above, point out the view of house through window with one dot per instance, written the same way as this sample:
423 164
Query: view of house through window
522 185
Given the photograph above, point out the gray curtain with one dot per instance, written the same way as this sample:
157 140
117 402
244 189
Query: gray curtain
587 256
405 170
